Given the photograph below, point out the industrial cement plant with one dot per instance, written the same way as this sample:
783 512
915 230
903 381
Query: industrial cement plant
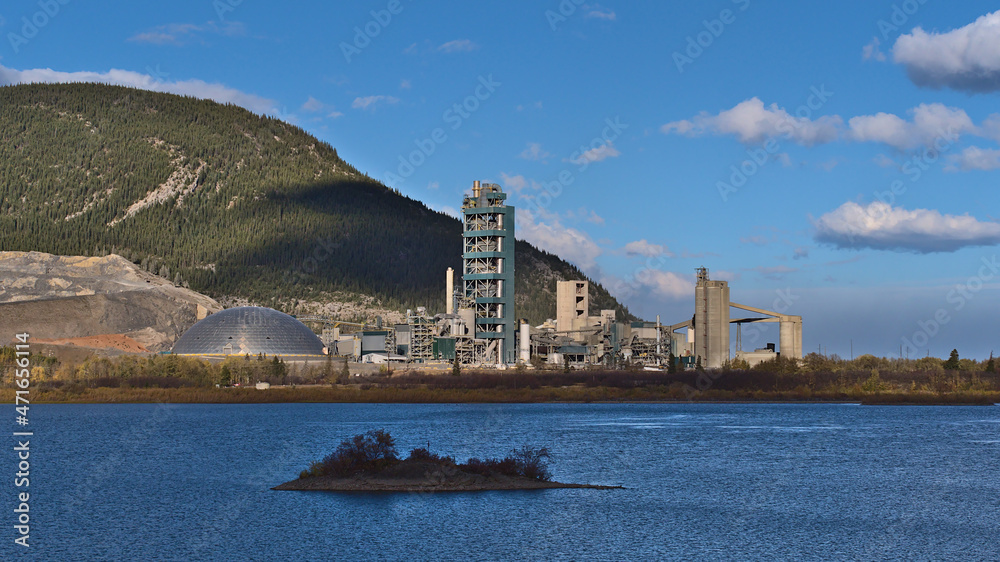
479 328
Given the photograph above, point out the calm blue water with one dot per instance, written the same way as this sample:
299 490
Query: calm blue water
191 482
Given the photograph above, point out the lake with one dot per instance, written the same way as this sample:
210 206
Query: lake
703 481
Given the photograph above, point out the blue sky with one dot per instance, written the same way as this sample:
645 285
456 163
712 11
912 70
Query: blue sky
839 160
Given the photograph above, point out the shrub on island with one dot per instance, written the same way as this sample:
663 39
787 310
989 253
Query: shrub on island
375 451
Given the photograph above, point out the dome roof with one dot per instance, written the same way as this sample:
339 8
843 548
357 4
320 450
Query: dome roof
249 330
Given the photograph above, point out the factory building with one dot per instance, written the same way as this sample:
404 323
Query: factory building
479 326
711 320
488 268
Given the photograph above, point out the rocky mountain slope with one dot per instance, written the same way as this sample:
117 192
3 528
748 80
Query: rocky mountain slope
232 204
55 297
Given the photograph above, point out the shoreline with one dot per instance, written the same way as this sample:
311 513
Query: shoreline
568 394
325 484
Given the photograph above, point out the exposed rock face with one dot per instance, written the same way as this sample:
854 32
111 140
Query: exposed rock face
57 297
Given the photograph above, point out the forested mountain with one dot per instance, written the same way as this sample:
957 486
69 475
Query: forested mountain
228 202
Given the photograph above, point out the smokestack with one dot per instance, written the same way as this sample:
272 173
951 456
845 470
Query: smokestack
525 337
449 287
475 189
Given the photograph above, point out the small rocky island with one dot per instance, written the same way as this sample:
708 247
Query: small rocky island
369 463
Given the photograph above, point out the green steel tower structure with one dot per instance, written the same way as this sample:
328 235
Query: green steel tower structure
488 266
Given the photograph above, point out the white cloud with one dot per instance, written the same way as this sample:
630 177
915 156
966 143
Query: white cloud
194 88
752 123
312 105
534 151
646 249
667 284
335 114
518 183
597 154
370 102
598 12
649 283
184 33
446 209
975 158
872 51
404 84
991 127
433 185
458 45
594 218
966 59
570 244
883 227
930 122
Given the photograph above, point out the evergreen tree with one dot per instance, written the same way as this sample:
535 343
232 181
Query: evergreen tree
952 363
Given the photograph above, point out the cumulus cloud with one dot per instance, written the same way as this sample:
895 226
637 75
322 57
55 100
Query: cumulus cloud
370 102
312 105
518 183
991 127
667 284
534 151
646 249
965 59
585 214
975 158
872 51
883 227
753 123
930 122
194 88
570 244
597 154
457 46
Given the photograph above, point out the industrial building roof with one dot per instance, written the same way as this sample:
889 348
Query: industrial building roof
249 330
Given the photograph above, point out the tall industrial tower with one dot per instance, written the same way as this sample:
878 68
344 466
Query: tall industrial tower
488 266
711 320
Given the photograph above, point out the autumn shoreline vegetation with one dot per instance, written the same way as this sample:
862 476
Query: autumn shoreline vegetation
174 379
